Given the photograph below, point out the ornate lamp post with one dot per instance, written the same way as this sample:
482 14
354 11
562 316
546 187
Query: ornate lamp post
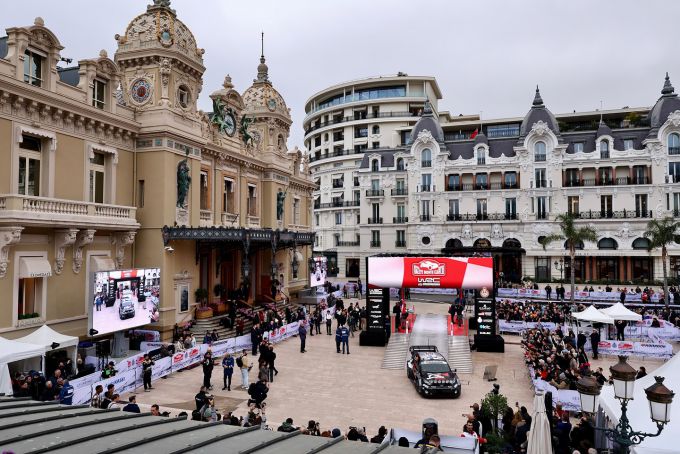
559 266
660 399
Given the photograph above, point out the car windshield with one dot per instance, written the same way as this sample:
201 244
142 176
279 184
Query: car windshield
435 368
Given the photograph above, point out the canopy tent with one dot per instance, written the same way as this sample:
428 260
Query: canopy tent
638 410
593 315
538 438
620 312
45 337
12 351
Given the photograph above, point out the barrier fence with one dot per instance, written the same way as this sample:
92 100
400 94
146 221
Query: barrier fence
579 296
129 374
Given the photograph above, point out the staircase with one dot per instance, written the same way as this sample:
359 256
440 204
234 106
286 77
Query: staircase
209 324
396 352
460 357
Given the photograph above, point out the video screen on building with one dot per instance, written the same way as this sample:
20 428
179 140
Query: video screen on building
124 299
319 271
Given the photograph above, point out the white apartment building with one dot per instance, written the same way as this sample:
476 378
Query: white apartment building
456 184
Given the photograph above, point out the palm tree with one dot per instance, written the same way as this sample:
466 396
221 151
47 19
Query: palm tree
574 236
661 233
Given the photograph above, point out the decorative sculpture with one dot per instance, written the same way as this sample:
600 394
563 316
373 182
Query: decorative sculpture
183 183
247 138
280 202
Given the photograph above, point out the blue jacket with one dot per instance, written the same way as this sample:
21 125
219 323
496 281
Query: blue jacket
338 334
66 394
344 334
228 364
302 331
132 408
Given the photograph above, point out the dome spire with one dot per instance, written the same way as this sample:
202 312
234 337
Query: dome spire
667 87
262 68
538 101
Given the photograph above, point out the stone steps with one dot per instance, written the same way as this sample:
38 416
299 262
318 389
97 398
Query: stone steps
396 352
460 357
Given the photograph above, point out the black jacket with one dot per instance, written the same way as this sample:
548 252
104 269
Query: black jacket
201 399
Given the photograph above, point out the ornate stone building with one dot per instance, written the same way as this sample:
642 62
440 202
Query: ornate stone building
110 165
456 184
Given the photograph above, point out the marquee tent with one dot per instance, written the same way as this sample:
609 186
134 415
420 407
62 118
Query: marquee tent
638 410
12 351
593 315
620 312
45 337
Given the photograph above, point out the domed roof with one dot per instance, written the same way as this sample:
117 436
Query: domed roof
427 122
159 25
538 112
603 129
481 138
261 98
667 103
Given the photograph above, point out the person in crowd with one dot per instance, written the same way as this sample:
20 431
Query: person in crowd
201 398
396 310
49 393
302 333
313 428
344 339
214 337
263 366
240 326
147 369
403 442
655 322
208 364
110 389
562 432
243 362
255 337
581 340
317 321
360 288
208 411
115 403
155 410
594 342
96 401
287 426
132 406
642 372
258 392
66 393
583 435
329 321
271 360
622 296
382 433
433 445
548 291
207 339
620 329
228 369
179 345
469 431
338 338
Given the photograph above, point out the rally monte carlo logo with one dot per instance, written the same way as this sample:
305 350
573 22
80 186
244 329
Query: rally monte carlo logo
429 268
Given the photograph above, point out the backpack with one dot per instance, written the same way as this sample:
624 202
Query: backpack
239 362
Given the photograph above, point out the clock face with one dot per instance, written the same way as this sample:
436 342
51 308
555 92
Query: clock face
271 104
230 124
140 90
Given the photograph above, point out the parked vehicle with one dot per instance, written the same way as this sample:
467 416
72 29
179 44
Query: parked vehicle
430 372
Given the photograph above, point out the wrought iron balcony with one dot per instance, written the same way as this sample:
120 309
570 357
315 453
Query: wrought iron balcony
453 217
375 220
375 243
426 163
338 204
399 220
348 243
400 243
375 192
399 191
610 214
338 184
425 217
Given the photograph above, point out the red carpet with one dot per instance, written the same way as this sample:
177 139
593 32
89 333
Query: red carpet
411 319
458 330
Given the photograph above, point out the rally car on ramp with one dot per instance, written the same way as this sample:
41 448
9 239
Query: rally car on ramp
431 374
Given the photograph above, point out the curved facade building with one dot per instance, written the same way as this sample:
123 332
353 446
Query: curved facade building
343 123
456 184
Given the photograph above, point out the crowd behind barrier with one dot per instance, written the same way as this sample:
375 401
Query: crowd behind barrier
631 297
129 374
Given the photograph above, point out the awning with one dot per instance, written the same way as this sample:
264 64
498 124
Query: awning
34 267
102 263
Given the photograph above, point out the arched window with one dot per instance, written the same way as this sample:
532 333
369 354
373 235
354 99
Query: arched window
674 143
454 243
607 244
376 129
604 149
482 243
539 151
578 245
641 243
426 158
374 165
400 163
481 156
512 242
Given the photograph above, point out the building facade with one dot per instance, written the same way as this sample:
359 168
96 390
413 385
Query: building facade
456 184
343 123
109 164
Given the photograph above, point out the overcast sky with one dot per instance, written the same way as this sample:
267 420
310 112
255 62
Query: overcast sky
486 55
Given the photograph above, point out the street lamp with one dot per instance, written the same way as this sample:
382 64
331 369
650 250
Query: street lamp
623 375
560 267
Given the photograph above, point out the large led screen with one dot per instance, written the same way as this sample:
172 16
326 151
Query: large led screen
319 270
124 299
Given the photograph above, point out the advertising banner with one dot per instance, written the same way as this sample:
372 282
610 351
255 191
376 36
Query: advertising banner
612 297
517 327
148 346
627 348
485 314
375 313
431 272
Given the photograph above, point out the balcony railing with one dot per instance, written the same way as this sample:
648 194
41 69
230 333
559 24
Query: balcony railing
452 217
481 186
400 243
338 184
425 217
426 188
399 191
673 150
375 220
426 163
539 157
619 181
375 243
375 192
399 220
338 204
228 219
540 183
254 221
622 214
481 161
206 218
349 243
59 211
336 121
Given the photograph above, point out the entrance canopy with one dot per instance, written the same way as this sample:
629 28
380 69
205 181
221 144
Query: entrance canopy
620 312
45 337
434 272
30 267
593 315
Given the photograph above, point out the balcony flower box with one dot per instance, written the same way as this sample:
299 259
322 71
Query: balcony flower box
204 312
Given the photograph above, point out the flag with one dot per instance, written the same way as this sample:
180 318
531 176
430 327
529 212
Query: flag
473 135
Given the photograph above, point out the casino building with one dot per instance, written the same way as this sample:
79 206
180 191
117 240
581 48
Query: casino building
108 164
440 183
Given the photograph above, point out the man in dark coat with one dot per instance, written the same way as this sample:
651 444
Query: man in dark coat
255 337
396 310
594 340
302 332
620 329
208 364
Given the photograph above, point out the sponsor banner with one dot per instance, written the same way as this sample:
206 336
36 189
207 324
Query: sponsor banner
581 295
569 399
149 335
130 363
123 382
147 346
82 388
431 272
161 368
627 348
517 327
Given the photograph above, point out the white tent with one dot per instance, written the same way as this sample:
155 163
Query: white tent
12 351
538 438
45 337
638 410
620 312
593 315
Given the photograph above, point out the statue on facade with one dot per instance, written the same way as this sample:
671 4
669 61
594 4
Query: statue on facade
280 201
247 137
183 182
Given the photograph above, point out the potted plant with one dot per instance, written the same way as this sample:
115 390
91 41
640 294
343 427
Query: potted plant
202 311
